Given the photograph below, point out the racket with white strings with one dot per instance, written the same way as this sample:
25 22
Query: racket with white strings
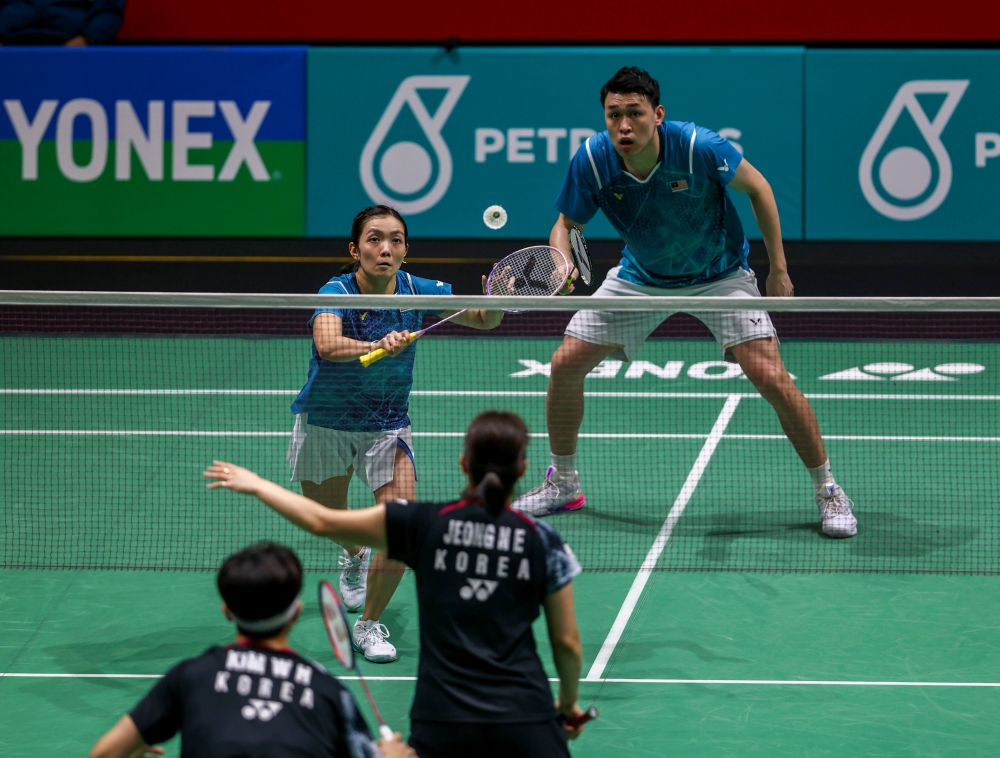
335 620
581 256
541 271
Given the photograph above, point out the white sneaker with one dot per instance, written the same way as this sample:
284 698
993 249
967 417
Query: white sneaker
369 638
835 514
354 578
554 495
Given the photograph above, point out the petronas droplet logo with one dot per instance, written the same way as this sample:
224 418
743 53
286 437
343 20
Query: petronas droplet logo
905 173
406 168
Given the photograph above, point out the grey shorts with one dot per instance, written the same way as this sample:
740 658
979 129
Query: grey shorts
316 453
628 330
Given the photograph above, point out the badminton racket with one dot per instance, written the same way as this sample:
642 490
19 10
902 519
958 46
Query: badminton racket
335 620
581 256
542 271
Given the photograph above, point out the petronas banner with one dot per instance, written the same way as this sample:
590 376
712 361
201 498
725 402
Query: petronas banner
903 144
442 136
152 141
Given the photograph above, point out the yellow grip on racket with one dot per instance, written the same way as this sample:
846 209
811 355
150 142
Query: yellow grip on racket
379 353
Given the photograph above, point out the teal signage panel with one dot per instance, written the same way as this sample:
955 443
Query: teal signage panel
902 145
442 136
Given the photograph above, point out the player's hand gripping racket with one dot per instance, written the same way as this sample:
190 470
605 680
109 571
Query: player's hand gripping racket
541 271
581 256
335 619
589 714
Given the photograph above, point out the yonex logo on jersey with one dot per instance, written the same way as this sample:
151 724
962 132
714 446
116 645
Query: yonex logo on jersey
405 168
265 710
481 589
904 172
725 165
618 195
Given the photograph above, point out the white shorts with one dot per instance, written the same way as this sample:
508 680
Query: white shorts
317 453
629 329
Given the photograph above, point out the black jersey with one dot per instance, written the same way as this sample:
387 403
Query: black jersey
253 702
480 585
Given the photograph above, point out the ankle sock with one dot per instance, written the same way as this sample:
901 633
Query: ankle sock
822 477
565 465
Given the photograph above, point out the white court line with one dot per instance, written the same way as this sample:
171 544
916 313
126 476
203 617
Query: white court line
649 563
584 435
499 393
736 682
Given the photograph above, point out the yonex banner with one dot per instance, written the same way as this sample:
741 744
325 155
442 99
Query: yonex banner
152 141
442 136
903 145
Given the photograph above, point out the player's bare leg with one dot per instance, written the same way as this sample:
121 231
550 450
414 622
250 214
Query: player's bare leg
333 494
384 575
762 364
564 404
564 410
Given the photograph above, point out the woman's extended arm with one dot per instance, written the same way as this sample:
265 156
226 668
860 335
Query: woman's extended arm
332 345
567 651
362 527
478 318
124 741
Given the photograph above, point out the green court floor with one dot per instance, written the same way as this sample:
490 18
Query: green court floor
756 636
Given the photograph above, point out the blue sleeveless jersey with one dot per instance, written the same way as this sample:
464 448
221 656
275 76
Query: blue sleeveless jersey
679 224
349 397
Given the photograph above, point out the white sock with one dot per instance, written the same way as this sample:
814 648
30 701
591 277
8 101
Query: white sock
565 465
822 477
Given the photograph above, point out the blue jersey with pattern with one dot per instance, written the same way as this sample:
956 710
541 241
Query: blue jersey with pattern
349 397
679 224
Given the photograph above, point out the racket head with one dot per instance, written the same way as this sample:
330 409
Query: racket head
335 621
581 256
540 271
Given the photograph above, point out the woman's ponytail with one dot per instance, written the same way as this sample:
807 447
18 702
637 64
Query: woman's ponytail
492 492
495 446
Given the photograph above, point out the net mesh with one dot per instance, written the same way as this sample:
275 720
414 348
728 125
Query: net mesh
110 413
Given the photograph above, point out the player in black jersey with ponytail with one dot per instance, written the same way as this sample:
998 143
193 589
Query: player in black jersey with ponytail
483 573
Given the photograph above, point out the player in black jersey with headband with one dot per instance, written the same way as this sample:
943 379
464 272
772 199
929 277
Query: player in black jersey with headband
256 698
483 573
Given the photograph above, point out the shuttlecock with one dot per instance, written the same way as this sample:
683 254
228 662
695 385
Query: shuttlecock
494 217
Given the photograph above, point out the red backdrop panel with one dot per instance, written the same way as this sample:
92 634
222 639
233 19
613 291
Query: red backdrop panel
789 21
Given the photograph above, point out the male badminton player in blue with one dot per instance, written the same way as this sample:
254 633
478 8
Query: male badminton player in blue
664 186
351 420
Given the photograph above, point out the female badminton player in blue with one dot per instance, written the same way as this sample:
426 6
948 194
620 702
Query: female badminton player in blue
351 420
483 574
664 186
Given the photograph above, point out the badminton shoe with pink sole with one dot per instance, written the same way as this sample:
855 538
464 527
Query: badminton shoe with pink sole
554 495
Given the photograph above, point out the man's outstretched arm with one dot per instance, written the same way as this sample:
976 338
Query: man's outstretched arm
750 181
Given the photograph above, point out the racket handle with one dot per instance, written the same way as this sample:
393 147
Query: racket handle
588 715
386 733
379 353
